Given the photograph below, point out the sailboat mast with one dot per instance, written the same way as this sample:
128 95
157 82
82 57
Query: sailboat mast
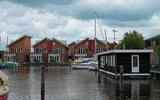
7 44
106 39
95 21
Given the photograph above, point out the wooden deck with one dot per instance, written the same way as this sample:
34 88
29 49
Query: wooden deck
155 70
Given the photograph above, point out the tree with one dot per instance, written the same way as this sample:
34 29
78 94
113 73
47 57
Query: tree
132 40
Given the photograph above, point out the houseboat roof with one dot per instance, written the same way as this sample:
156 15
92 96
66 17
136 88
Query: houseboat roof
126 51
154 37
18 40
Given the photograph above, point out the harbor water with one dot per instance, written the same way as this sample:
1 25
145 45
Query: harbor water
63 83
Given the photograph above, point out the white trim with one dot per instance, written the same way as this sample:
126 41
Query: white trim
81 55
53 54
138 74
127 51
9 55
36 54
107 72
128 74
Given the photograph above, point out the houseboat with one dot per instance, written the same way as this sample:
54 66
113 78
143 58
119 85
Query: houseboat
136 63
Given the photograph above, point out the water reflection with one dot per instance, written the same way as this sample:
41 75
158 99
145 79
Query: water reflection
132 89
64 84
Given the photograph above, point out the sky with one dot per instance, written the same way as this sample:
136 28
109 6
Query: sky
73 20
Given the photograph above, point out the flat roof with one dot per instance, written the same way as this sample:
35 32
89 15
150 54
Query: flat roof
127 51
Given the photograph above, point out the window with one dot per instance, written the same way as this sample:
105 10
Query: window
98 50
54 59
135 61
57 51
82 51
110 60
102 61
54 43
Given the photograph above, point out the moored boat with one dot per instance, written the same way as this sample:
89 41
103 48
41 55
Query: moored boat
84 63
93 67
11 64
4 86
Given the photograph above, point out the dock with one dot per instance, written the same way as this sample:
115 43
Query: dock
155 72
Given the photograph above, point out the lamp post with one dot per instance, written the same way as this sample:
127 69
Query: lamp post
114 31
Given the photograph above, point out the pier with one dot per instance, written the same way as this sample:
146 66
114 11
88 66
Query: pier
155 72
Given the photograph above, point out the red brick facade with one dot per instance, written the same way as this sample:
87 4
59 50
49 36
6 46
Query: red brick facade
53 48
19 50
86 48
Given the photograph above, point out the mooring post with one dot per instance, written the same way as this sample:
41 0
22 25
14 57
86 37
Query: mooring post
121 77
116 77
42 82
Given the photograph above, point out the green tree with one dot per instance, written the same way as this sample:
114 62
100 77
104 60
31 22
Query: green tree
132 40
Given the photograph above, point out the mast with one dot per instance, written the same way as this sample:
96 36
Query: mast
95 21
0 41
106 38
7 44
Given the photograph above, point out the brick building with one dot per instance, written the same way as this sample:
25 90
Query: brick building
49 51
154 43
86 48
71 50
19 50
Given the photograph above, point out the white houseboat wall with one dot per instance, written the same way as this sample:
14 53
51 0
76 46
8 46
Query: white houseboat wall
135 62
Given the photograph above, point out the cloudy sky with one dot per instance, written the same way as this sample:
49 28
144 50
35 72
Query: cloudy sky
73 20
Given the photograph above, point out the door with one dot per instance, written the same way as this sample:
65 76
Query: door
135 63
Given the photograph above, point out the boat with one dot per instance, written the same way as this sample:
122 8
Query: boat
1 65
11 64
84 63
4 86
94 66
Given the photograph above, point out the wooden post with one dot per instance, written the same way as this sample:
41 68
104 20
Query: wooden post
42 83
116 77
121 77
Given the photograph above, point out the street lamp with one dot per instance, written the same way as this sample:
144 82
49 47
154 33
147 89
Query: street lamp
114 31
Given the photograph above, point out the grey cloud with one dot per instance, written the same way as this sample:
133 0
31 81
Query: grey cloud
42 3
117 12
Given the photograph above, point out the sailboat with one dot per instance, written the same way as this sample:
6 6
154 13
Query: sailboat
87 63
94 63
